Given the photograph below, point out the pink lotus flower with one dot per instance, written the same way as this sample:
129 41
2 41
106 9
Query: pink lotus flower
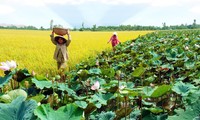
5 66
97 62
96 86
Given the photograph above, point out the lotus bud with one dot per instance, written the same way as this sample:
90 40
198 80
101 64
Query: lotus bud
186 48
97 62
186 38
152 85
47 75
198 46
15 77
38 103
5 88
87 82
122 87
132 44
26 84
118 73
57 77
33 73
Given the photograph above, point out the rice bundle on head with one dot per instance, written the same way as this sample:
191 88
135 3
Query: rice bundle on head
60 31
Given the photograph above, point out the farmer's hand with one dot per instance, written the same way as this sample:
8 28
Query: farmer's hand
52 34
68 32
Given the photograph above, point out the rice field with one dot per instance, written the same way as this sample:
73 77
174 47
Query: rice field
32 49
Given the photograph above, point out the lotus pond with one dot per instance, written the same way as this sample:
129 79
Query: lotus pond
153 77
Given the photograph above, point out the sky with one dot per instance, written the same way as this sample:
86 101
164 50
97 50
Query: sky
75 13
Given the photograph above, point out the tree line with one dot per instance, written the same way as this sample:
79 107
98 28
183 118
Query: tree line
112 28
137 27
194 25
21 28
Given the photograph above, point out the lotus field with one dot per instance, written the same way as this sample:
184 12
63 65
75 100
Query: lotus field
151 77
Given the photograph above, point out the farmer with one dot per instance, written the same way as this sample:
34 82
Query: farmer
60 54
114 40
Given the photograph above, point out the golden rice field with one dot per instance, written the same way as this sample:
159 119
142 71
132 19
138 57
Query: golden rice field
32 49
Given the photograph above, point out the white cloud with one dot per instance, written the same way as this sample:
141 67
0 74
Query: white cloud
118 2
144 17
5 9
32 12
195 9
88 13
158 3
66 1
147 12
33 3
164 3
114 2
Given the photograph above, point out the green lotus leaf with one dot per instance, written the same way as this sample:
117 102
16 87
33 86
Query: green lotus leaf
89 109
123 112
161 90
96 78
41 78
22 74
182 88
129 92
106 116
155 110
109 72
23 82
42 84
81 104
99 99
68 112
155 55
169 66
38 98
196 107
4 80
189 64
138 72
193 97
148 90
112 83
11 95
196 81
181 114
83 73
18 109
155 117
155 62
96 71
150 79
64 87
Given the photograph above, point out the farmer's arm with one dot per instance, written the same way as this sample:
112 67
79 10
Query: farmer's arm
110 39
118 40
69 38
52 38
